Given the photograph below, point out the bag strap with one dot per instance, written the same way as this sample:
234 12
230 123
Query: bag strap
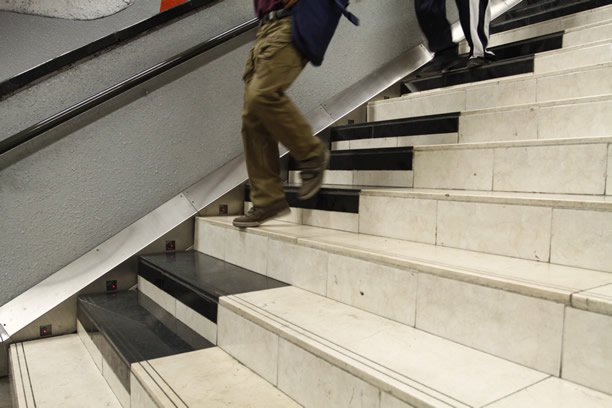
350 16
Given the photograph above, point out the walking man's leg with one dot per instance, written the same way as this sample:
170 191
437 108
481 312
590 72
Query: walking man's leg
431 15
475 17
269 117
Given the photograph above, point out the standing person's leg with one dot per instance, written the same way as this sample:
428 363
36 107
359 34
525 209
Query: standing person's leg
431 15
270 117
475 17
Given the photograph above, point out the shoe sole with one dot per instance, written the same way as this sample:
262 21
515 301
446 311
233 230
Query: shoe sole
319 181
252 224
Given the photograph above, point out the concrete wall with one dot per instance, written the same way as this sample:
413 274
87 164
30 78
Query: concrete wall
70 9
109 167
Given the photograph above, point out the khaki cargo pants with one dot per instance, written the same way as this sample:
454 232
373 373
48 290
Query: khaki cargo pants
269 116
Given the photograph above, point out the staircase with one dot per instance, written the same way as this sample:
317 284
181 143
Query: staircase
460 255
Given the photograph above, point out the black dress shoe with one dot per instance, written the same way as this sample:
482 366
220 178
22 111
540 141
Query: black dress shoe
441 61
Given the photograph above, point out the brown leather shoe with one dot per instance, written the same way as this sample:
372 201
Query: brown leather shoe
258 215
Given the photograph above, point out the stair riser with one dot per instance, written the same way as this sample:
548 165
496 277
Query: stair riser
588 35
598 15
582 119
399 141
106 361
563 169
194 320
575 58
587 349
391 178
372 352
561 236
294 370
520 90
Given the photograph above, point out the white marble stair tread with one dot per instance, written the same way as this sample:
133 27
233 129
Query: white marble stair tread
576 201
541 280
575 21
204 378
59 372
408 363
555 393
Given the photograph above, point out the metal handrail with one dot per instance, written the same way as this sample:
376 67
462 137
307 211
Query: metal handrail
43 126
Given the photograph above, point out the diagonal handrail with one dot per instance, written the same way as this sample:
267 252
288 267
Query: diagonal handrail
43 126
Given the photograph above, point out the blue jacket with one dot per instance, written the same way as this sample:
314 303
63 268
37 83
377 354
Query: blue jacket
314 24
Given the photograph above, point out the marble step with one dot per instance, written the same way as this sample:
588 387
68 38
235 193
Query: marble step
587 34
548 11
205 378
571 118
560 229
119 329
324 353
434 129
387 166
57 372
574 57
575 21
468 297
512 59
574 118
560 166
187 286
593 81
335 198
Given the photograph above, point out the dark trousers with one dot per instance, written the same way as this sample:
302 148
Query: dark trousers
475 17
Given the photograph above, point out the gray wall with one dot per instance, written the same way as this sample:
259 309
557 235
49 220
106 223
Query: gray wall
114 165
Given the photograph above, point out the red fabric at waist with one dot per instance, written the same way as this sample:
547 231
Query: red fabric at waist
263 7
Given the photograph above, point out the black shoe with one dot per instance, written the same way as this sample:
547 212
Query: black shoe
258 215
441 61
475 62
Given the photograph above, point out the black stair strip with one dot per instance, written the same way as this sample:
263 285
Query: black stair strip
530 46
555 11
498 69
335 198
394 158
198 280
526 8
128 327
422 125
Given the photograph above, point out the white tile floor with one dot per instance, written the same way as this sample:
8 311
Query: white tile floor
5 393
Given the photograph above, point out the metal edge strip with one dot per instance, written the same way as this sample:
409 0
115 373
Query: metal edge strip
38 300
